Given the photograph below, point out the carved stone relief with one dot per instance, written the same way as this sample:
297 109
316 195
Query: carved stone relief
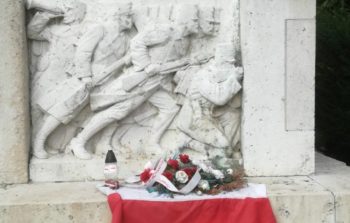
143 79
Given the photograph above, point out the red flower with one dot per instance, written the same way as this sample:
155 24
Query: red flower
168 175
145 175
173 163
184 158
190 171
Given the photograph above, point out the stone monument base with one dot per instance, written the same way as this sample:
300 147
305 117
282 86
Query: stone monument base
323 197
68 168
57 169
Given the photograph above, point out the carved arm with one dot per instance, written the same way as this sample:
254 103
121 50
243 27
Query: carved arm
37 26
219 93
85 50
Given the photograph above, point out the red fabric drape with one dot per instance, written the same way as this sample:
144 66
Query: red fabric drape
223 210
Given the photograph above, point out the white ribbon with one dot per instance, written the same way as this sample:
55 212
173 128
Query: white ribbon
161 166
159 178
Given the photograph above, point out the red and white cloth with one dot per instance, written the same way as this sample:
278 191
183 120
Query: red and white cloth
248 205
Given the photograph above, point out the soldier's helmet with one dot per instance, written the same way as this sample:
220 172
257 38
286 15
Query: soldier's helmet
207 20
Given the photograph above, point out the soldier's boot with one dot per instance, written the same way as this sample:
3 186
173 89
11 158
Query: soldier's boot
77 145
50 123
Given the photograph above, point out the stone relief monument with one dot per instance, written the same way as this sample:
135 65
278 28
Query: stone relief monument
142 79
278 53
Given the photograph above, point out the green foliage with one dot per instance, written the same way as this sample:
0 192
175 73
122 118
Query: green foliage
333 5
333 78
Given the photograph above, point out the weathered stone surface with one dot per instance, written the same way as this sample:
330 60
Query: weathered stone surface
54 202
268 148
300 74
323 197
299 199
93 88
14 114
335 177
56 169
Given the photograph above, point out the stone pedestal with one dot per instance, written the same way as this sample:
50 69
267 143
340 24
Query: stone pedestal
278 50
14 94
323 197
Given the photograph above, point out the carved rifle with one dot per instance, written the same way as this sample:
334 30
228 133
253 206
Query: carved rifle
110 71
167 68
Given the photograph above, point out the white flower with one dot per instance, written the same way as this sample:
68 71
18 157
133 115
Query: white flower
229 171
203 185
201 165
218 174
181 176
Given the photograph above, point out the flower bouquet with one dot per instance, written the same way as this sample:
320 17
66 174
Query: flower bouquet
182 175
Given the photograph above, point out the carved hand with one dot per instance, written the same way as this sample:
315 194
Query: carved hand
87 81
200 59
152 69
127 60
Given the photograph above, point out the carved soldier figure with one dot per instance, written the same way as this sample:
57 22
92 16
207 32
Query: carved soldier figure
207 24
62 108
103 52
156 53
211 87
104 44
59 24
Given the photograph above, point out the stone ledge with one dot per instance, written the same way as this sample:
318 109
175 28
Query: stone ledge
324 197
53 202
71 169
299 199
335 177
